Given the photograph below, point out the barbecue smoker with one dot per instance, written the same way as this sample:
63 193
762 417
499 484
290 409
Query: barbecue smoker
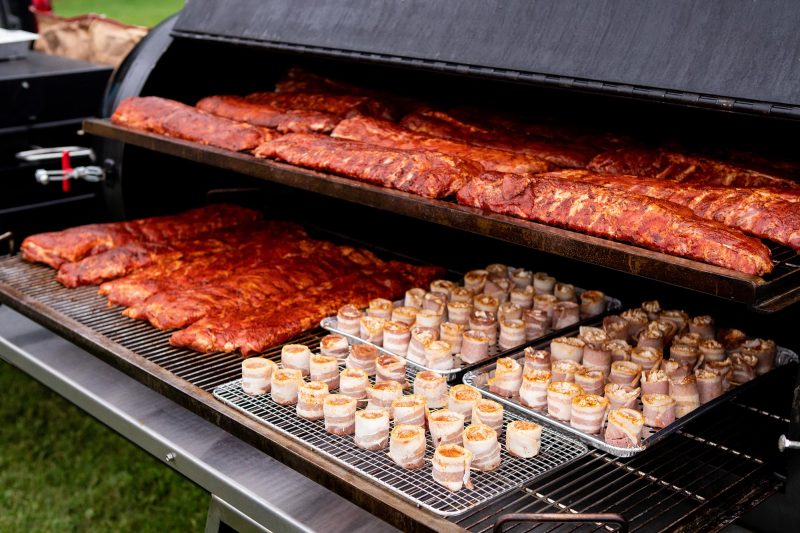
709 77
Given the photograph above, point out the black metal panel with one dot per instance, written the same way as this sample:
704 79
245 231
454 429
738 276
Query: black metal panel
693 51
46 88
42 102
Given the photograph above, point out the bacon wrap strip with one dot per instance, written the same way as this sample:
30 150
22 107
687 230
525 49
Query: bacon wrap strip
407 446
325 369
174 119
353 382
446 427
488 413
507 378
523 438
257 375
267 116
334 346
648 222
481 440
441 124
310 397
760 212
339 412
409 409
385 133
624 428
425 173
432 387
73 244
451 464
684 168
371 430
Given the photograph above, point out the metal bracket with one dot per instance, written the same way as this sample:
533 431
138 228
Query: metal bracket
92 174
585 518
54 153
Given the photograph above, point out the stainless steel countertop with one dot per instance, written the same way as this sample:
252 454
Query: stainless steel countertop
267 491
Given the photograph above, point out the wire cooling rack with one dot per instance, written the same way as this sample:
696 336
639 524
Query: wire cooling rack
416 485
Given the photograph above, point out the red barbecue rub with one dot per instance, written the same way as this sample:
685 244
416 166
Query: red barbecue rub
683 168
166 117
389 134
342 105
648 222
263 114
58 247
441 124
421 172
760 212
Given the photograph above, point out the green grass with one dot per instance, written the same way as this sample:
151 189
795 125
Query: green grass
141 12
61 470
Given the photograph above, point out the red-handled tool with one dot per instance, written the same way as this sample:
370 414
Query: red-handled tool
90 173
66 168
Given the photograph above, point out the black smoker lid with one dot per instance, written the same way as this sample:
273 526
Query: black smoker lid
741 55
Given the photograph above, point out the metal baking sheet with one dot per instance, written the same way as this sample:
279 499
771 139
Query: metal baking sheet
478 378
330 323
418 486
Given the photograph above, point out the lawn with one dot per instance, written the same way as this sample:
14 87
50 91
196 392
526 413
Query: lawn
61 470
141 12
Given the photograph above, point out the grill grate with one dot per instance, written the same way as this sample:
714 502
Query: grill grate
416 485
705 475
784 260
84 305
658 490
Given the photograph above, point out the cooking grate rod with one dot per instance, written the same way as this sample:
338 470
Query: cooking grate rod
210 367
191 360
762 412
606 460
151 340
706 485
663 509
548 497
543 502
708 454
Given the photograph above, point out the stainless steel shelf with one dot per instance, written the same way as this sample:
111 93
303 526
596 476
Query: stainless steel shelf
267 491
